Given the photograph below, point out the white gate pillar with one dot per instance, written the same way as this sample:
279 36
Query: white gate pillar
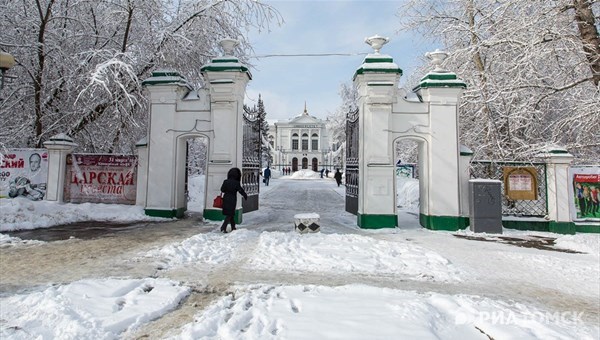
558 161
59 147
441 90
376 81
226 80
142 171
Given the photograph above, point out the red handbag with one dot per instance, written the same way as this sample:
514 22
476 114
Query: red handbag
218 202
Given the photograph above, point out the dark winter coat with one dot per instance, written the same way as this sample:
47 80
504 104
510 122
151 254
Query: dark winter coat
267 173
230 188
338 176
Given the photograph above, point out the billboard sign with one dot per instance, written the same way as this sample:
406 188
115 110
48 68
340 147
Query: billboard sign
585 195
24 173
97 178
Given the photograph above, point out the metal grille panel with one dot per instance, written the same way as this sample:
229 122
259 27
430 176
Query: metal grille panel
352 150
494 170
251 160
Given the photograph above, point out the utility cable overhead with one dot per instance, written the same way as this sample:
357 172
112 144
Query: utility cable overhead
307 55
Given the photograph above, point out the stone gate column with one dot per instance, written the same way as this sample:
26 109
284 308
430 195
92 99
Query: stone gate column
165 87
558 161
226 80
441 90
59 147
376 81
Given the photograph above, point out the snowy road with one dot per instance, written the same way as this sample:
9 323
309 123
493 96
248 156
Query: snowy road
266 260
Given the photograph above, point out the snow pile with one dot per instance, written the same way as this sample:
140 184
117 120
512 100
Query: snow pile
196 189
348 253
211 248
88 309
586 243
407 196
305 174
20 213
364 312
7 241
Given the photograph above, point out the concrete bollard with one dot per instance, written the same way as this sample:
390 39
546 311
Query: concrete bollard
307 223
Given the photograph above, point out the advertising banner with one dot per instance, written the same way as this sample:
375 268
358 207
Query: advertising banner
24 173
97 178
585 204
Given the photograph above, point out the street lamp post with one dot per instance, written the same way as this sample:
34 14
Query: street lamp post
7 61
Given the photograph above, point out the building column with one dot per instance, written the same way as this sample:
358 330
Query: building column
142 171
59 147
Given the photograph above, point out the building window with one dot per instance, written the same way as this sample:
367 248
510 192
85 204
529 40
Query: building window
295 141
315 141
304 142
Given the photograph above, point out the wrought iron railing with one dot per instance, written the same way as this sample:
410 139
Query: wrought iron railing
525 208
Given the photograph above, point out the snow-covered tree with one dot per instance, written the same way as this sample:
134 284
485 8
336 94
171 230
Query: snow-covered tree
336 122
80 63
532 69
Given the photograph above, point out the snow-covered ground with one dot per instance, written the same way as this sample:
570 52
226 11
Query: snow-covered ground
341 283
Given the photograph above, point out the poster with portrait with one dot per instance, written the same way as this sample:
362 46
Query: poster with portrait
585 193
101 179
24 173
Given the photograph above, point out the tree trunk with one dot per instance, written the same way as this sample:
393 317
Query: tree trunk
588 32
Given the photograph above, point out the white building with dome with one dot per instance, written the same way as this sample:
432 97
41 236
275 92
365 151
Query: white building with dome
301 142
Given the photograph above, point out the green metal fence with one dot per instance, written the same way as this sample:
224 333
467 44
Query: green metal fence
524 208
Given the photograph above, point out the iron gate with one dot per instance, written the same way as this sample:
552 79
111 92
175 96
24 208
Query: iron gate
352 162
494 170
251 160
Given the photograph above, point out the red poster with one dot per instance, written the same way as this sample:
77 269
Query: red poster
101 179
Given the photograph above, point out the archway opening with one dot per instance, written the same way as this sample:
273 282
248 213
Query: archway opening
192 159
315 164
409 188
294 164
304 163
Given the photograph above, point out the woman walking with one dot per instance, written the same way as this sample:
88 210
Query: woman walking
230 187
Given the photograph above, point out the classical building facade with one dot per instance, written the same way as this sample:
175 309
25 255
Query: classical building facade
301 142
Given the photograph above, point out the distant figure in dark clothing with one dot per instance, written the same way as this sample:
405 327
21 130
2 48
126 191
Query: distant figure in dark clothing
230 187
322 171
327 173
267 174
338 177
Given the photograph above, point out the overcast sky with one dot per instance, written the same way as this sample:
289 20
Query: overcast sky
315 27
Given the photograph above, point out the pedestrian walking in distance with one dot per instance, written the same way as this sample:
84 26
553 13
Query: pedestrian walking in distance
338 177
230 188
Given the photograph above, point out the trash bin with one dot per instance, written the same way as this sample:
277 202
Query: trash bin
485 203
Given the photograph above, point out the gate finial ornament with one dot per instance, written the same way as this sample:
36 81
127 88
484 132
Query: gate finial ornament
437 58
228 44
376 42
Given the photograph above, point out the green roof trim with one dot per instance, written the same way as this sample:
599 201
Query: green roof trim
379 60
166 77
427 84
225 60
558 151
219 68
377 70
440 76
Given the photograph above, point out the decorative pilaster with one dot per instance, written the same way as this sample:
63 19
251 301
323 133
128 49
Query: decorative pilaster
59 146
466 155
142 171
